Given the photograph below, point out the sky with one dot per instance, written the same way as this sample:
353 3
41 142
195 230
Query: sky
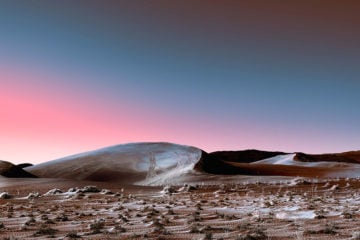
219 75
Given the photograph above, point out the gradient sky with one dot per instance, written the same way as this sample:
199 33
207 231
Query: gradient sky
229 75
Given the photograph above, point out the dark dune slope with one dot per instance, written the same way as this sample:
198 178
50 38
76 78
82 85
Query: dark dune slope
219 162
10 170
245 156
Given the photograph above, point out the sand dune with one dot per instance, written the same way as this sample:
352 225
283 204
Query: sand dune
10 170
129 163
249 162
293 170
244 156
290 159
166 163
347 157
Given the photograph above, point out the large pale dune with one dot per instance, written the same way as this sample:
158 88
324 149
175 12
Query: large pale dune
146 163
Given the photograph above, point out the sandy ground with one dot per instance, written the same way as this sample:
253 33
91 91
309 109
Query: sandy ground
292 209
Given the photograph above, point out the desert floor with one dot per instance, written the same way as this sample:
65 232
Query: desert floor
292 209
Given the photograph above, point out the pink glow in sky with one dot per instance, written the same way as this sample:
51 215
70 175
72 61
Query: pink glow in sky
37 125
43 122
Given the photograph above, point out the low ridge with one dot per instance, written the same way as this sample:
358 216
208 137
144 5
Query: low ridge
348 157
263 163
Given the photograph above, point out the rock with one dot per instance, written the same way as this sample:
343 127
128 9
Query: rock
72 190
168 190
33 195
53 192
5 195
187 188
106 192
90 189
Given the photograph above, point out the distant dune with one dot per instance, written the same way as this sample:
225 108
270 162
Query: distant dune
167 163
286 170
263 163
218 162
348 157
10 170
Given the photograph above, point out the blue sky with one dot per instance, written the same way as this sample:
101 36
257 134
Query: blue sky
217 75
